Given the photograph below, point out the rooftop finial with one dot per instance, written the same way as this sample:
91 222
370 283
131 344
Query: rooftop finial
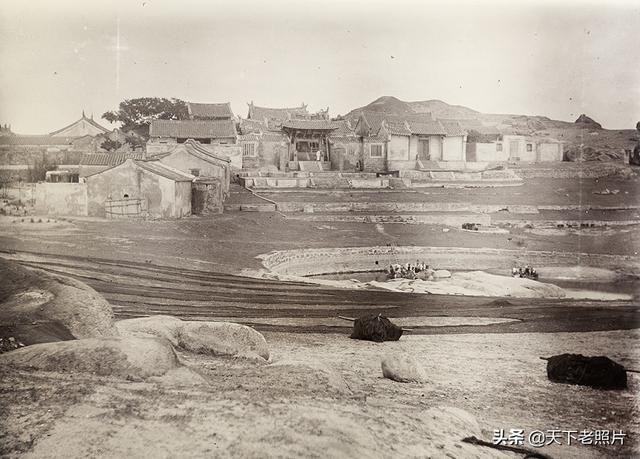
83 113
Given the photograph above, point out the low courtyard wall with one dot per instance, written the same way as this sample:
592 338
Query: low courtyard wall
306 262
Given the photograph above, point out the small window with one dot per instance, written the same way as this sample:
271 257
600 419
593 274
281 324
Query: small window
529 147
498 147
249 149
195 172
376 151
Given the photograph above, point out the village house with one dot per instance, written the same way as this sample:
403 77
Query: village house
262 149
203 163
20 153
165 134
392 142
516 148
139 188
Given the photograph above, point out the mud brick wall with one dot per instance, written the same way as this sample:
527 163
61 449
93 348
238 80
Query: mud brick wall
61 198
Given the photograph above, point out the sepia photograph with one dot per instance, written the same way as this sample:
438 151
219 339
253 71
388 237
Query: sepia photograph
320 229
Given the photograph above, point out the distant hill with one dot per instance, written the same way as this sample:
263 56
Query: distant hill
584 120
579 137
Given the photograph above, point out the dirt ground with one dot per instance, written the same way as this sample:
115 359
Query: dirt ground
322 394
325 395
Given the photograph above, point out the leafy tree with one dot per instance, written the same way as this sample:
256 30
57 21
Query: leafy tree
38 170
110 145
136 114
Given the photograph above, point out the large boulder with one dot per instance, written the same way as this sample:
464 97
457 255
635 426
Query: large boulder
136 358
213 338
222 338
33 300
402 368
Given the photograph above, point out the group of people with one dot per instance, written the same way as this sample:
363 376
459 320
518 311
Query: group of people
527 272
406 271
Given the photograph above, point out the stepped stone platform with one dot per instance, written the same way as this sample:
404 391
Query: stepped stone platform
317 177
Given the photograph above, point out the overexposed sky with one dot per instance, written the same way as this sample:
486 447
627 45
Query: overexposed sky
554 58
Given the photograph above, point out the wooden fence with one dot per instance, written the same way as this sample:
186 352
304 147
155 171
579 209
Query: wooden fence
125 208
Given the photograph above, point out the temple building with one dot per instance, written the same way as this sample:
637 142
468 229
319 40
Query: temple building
308 141
80 128
217 111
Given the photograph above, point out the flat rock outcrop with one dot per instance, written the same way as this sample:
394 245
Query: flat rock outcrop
36 306
213 338
136 358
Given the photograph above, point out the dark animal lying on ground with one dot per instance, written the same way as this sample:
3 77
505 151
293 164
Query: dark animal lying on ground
598 372
375 328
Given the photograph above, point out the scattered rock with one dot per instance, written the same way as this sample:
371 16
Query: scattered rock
402 368
131 358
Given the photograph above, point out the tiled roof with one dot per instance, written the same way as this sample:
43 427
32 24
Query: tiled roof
397 127
429 128
86 120
274 137
165 171
324 125
343 128
154 166
248 126
374 119
195 149
453 128
108 159
191 129
209 111
280 114
42 140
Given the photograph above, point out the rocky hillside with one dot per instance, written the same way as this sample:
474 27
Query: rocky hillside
585 139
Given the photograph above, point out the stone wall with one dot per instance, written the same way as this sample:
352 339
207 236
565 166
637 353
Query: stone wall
345 153
305 262
61 198
407 207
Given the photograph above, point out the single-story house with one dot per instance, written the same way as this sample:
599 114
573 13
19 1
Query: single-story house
139 188
92 163
197 160
391 142
520 148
